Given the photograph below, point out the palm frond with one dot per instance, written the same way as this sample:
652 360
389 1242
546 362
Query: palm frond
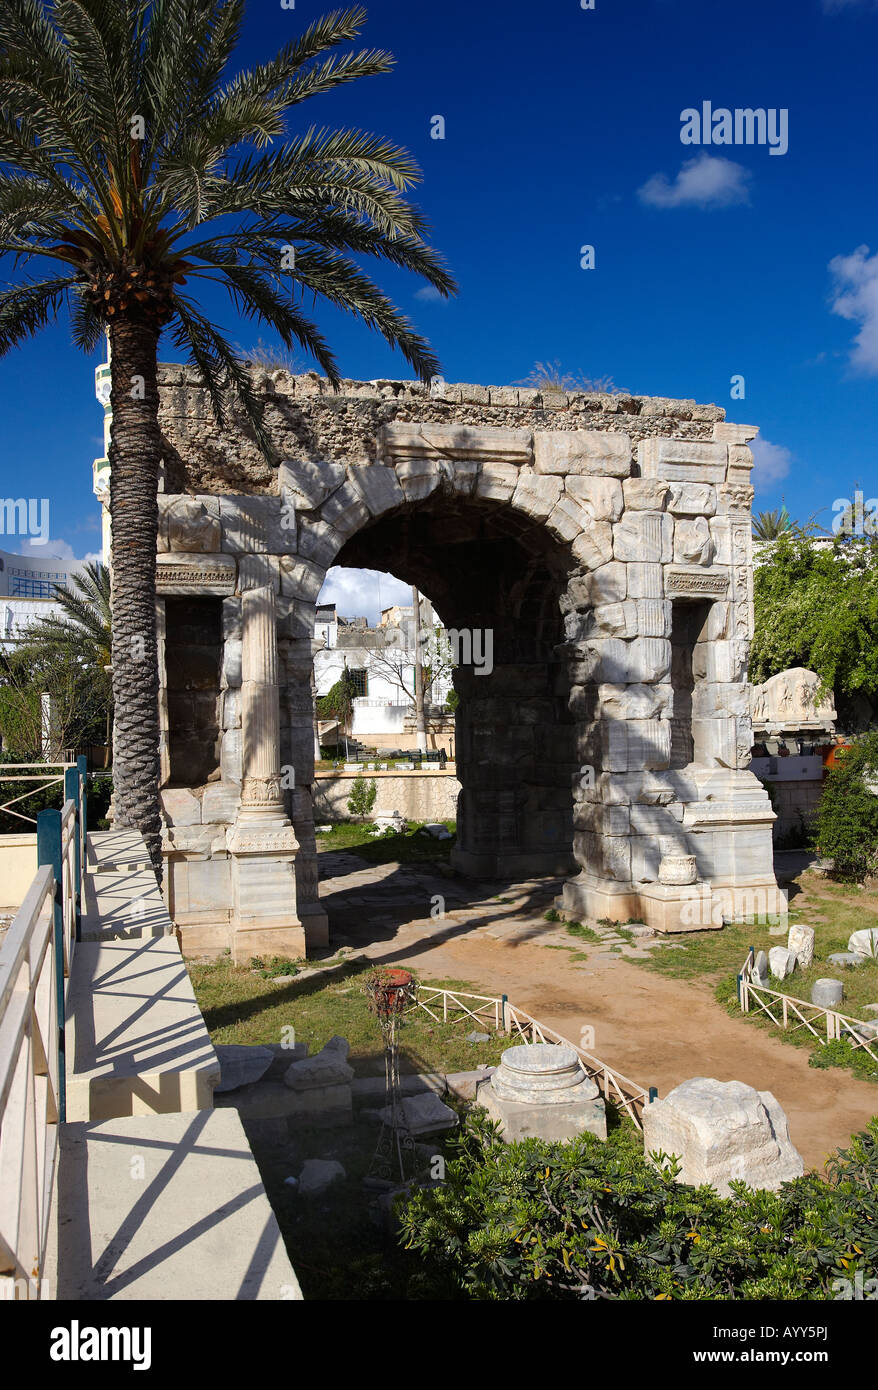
26 308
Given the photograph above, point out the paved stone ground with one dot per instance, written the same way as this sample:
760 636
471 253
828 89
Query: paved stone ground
657 1030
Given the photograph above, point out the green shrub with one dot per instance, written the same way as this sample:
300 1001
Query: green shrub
846 825
362 797
586 1219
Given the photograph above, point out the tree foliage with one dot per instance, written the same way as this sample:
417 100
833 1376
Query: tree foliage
817 606
846 823
586 1219
362 797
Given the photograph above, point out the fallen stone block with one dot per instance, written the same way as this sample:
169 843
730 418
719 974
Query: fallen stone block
424 1114
326 1068
864 942
318 1174
827 993
241 1065
847 959
722 1131
760 968
801 943
781 962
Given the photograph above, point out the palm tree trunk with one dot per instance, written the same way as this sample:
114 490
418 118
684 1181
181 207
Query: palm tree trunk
135 452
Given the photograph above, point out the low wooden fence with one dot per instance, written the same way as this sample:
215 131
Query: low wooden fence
35 960
497 1012
793 1014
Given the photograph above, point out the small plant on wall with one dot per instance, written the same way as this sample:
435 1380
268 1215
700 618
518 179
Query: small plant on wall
362 797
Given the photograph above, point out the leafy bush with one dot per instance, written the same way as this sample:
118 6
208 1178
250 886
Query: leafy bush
846 823
586 1219
362 797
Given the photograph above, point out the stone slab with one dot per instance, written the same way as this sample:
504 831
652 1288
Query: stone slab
195 1225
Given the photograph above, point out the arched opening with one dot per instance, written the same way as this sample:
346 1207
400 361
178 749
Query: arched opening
496 581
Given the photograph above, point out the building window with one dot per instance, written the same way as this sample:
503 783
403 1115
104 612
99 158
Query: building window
360 681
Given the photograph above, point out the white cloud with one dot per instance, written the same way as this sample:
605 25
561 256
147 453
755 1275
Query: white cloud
355 593
430 295
55 550
855 297
771 462
704 182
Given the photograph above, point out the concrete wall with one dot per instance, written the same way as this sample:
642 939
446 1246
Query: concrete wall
423 796
18 864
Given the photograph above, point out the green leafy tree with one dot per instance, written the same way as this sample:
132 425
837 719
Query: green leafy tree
338 702
817 606
134 158
82 632
362 797
846 822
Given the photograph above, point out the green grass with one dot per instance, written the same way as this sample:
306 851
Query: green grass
240 1006
584 933
410 848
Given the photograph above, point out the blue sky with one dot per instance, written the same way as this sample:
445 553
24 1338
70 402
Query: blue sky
562 129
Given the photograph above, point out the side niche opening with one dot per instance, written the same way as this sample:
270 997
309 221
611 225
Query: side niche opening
193 662
688 632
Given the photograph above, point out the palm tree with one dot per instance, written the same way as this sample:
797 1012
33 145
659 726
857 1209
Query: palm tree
84 625
768 526
122 132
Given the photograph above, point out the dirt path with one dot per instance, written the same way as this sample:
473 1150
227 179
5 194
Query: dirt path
657 1030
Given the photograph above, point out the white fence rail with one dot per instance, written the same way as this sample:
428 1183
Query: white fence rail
793 1014
45 774
35 960
498 1013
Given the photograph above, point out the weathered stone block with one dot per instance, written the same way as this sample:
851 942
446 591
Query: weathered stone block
800 942
380 488
692 542
607 584
594 547
644 537
722 1131
582 451
645 581
684 461
827 993
254 525
180 806
190 523
497 481
645 494
535 495
601 498
616 619
300 578
319 542
692 499
345 510
257 571
310 483
634 701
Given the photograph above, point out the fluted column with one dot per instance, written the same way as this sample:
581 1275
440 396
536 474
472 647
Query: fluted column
261 797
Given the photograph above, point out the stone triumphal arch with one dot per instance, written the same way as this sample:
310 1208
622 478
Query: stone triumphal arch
603 542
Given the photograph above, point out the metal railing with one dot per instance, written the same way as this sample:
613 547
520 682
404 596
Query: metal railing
505 1017
765 999
31 772
35 961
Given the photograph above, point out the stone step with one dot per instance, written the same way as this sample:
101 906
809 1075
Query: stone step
112 851
136 1040
159 1207
123 905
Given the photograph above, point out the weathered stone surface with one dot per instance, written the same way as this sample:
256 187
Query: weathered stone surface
645 494
723 1131
692 499
616 619
541 1091
319 1174
601 498
634 701
253 525
594 547
679 461
195 574
800 942
582 451
607 584
379 487
536 495
781 962
425 1114
692 542
240 1065
181 807
644 537
300 578
190 523
864 942
220 803
255 571
847 959
760 968
310 483
326 1068
346 510
827 993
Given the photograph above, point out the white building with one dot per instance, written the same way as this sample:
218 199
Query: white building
27 589
381 661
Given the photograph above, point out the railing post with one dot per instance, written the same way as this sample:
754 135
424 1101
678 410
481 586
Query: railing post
71 793
504 1021
82 766
49 852
653 1094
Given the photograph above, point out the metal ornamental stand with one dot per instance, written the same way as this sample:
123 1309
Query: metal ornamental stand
395 1161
